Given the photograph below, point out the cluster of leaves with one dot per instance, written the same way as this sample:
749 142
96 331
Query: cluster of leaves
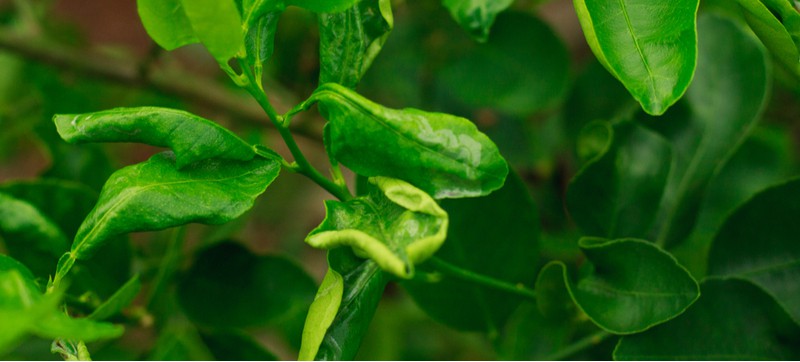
677 241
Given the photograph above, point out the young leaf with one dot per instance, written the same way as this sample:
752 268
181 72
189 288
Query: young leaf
731 84
192 138
218 25
774 34
154 195
354 291
521 79
396 225
350 40
732 320
166 22
650 46
631 286
121 299
773 262
476 16
617 193
444 155
258 290
496 236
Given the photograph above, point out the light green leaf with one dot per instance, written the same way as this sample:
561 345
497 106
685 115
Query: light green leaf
166 22
476 16
154 195
258 290
617 193
321 314
192 138
496 236
510 73
350 40
444 155
118 301
732 320
218 25
731 85
396 225
362 290
773 33
631 285
650 46
758 242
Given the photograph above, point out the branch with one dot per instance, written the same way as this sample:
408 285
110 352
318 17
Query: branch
187 86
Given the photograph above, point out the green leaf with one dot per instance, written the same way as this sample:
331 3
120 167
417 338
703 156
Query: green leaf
651 47
758 242
552 296
154 195
192 138
260 39
733 320
496 236
321 314
323 6
258 290
476 16
362 288
617 193
24 227
773 33
630 285
255 9
218 25
444 155
595 95
396 225
118 301
509 73
350 40
731 84
233 346
166 22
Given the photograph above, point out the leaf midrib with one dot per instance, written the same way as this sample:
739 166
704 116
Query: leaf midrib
650 76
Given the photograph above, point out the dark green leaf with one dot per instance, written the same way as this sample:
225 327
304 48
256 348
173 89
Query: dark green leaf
617 193
218 25
166 22
154 195
476 16
733 320
496 236
351 291
510 73
552 297
232 346
323 6
118 301
23 227
731 85
395 224
257 290
758 242
772 32
350 40
192 138
444 155
651 47
180 341
260 40
631 285
255 9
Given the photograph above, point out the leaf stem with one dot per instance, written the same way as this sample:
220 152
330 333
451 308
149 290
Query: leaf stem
470 276
579 345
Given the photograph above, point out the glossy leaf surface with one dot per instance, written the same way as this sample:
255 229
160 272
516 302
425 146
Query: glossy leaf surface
650 46
476 16
350 40
509 73
496 236
218 25
260 39
631 285
616 194
192 138
396 225
444 155
732 320
772 32
257 290
154 195
363 284
758 242
731 85
166 22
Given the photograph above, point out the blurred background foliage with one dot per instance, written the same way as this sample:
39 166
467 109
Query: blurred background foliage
532 88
